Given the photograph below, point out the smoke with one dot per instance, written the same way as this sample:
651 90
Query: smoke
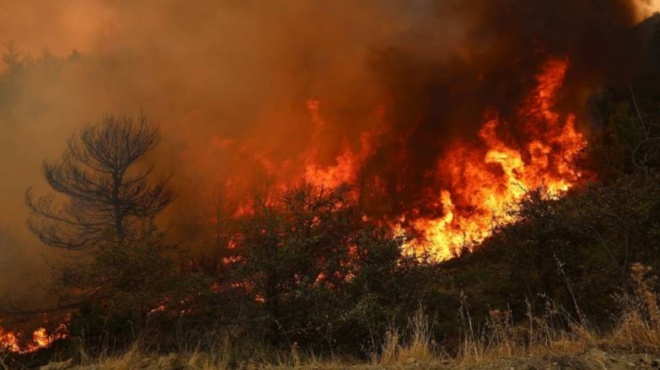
440 93
228 82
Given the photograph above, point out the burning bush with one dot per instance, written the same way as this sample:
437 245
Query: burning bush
308 267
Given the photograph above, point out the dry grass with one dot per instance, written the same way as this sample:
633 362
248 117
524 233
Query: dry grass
218 359
419 349
638 328
130 359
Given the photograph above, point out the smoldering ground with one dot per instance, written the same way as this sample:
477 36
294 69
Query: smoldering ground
228 81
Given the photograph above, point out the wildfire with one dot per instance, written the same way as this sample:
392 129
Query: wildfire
483 180
348 162
487 179
480 181
12 342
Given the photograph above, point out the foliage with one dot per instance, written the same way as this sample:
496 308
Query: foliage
575 252
308 268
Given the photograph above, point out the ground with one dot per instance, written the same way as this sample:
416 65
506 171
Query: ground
593 358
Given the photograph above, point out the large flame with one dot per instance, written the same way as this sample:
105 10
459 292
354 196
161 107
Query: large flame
488 179
481 179
485 179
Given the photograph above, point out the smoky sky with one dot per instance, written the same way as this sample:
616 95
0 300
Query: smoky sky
439 95
228 81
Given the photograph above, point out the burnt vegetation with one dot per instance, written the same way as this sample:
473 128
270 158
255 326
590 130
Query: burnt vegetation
306 269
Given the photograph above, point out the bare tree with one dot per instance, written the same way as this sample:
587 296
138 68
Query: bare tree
108 196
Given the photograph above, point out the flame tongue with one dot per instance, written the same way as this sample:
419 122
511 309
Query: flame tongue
485 180
473 184
481 181
11 342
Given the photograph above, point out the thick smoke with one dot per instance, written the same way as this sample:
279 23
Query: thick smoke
439 95
228 82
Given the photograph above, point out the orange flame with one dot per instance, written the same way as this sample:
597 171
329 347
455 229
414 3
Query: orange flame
347 163
487 180
481 181
11 341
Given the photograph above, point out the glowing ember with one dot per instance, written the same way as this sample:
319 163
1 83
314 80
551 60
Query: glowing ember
487 180
11 342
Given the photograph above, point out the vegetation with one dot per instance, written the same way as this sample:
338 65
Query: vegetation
106 222
632 342
109 199
304 279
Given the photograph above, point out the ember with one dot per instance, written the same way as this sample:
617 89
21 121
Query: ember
41 338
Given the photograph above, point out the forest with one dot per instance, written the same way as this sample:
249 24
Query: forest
464 213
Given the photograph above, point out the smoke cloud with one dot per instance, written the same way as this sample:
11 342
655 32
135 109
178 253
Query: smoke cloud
228 82
440 91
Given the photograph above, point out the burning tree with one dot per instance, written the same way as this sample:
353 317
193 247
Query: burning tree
314 270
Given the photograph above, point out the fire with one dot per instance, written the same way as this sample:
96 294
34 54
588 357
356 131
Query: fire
41 338
489 178
478 182
348 162
481 180
9 341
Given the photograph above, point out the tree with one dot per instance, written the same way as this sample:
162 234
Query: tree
106 213
108 195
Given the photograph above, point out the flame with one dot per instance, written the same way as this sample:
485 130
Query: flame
347 163
480 181
9 341
41 338
488 179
